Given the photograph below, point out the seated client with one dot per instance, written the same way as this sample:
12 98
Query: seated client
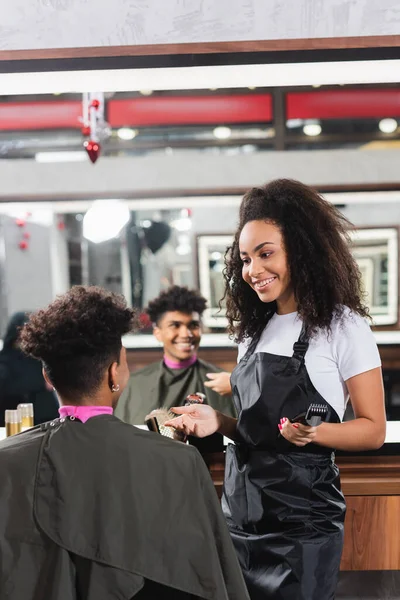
91 507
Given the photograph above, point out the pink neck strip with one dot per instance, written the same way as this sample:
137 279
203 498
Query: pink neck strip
83 413
184 364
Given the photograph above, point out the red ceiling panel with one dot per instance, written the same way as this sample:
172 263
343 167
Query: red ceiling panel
190 110
344 104
204 110
40 115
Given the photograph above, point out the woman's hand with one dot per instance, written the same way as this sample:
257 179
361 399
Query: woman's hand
297 433
199 420
220 383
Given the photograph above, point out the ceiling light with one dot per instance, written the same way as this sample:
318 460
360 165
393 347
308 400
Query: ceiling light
146 92
293 123
104 220
126 133
312 129
222 133
388 125
56 157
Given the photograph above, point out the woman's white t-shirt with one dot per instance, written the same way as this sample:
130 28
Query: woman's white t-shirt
332 358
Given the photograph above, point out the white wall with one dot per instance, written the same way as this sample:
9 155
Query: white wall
34 24
195 170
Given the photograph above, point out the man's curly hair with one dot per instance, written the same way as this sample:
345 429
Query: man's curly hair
77 337
323 272
173 299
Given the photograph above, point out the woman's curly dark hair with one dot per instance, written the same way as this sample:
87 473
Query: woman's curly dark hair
77 337
323 272
176 298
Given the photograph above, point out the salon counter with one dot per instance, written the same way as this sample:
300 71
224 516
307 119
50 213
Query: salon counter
371 485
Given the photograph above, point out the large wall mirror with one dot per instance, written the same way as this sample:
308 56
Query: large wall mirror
173 165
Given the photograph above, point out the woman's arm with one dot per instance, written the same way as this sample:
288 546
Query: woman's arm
366 432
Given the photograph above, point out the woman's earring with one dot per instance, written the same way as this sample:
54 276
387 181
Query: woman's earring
115 388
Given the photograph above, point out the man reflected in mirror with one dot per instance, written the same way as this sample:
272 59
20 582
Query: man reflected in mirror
176 317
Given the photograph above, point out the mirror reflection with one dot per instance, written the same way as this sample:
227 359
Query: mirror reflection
139 246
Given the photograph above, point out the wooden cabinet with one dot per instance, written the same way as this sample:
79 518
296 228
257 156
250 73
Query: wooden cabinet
372 528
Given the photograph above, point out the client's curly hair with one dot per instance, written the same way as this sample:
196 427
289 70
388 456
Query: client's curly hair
77 337
323 272
176 298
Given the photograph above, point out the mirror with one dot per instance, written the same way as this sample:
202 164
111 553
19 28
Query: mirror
181 161
211 250
376 253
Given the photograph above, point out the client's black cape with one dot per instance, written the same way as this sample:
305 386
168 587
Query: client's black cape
101 510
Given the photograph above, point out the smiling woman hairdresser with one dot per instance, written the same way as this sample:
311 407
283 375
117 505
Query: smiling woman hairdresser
294 304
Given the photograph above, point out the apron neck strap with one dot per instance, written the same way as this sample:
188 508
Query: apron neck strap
301 346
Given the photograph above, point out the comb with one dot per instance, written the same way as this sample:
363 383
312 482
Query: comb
313 416
155 422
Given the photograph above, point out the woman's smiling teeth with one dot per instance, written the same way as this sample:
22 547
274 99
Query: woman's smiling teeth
260 285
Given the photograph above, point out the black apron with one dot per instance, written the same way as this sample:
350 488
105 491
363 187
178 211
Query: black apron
282 502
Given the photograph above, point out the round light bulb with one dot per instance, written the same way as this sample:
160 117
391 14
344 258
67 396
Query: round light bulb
126 133
222 133
388 125
312 129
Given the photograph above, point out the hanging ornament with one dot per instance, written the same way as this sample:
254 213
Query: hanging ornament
93 149
93 124
61 225
20 222
23 245
26 235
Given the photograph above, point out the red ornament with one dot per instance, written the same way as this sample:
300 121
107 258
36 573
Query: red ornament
26 235
93 149
23 245
61 225
20 222
86 130
144 321
95 104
